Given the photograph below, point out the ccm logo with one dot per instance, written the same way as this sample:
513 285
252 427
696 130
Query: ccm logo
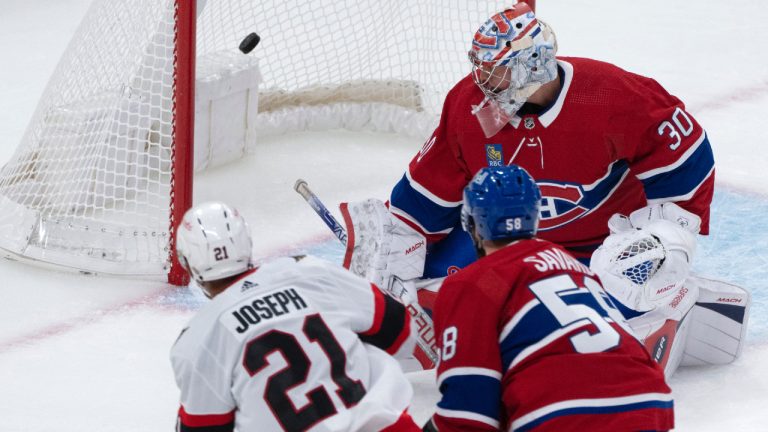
729 300
414 247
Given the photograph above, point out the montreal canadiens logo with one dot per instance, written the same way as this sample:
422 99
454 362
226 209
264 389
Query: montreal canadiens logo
560 204
497 26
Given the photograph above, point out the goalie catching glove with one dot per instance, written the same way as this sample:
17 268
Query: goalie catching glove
645 268
646 259
668 211
647 271
645 265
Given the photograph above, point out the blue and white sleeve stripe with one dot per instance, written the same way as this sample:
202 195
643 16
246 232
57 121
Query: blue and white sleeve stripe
429 212
591 406
680 180
470 393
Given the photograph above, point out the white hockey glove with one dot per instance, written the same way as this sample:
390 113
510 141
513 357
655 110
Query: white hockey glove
648 255
665 211
382 248
687 319
645 268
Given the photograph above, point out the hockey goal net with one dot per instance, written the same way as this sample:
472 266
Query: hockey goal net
104 169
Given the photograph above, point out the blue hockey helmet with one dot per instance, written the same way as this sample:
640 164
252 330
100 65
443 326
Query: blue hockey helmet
501 203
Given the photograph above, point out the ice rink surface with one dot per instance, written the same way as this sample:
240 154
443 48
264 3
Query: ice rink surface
84 353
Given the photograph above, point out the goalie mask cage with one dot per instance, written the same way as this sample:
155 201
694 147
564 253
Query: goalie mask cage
104 170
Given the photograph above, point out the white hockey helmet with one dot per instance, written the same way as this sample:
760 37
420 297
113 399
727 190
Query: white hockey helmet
213 242
645 268
512 55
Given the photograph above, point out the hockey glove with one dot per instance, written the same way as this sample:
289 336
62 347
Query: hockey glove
380 247
665 211
645 268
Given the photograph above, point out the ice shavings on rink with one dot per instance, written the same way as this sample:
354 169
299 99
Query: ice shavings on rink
183 298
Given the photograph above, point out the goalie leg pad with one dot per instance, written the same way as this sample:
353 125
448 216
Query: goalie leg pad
664 330
718 323
709 331
666 344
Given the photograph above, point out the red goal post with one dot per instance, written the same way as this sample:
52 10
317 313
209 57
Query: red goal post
105 169
182 155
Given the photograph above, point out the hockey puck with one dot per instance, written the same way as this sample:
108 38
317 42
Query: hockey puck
249 43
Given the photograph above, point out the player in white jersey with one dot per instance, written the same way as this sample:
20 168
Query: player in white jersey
297 344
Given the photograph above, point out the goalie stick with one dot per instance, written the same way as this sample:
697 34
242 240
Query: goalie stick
321 210
426 334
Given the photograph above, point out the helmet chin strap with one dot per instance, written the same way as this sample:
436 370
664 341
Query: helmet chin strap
477 242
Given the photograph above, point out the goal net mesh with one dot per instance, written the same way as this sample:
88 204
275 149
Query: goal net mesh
89 186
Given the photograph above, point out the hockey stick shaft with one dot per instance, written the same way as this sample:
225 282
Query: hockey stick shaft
303 189
425 335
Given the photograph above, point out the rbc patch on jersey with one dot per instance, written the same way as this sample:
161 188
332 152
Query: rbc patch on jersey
494 155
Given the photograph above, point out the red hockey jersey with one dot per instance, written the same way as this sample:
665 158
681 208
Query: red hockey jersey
529 340
612 142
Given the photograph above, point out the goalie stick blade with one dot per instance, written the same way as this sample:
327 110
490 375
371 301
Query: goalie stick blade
424 334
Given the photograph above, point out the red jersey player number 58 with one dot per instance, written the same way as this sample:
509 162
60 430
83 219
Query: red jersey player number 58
550 293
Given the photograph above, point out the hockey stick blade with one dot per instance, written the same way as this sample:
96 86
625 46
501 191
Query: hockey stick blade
424 333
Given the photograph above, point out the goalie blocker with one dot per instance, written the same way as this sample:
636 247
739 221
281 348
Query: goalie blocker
380 247
390 254
386 251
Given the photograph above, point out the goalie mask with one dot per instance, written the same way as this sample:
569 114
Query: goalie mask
645 268
501 203
512 56
213 242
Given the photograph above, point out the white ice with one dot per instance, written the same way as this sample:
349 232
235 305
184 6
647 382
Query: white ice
84 353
